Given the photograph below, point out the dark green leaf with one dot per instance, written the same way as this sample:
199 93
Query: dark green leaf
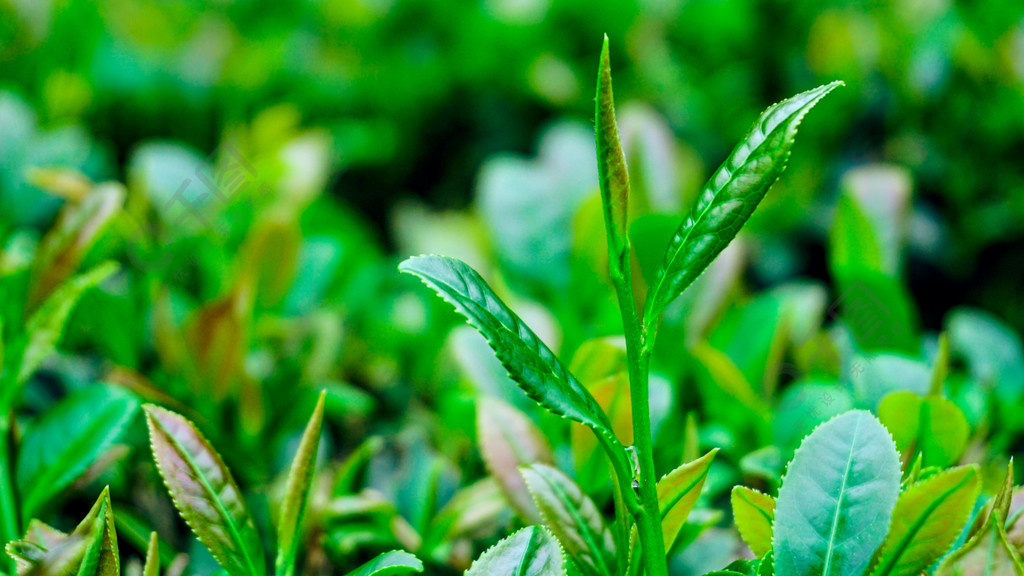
729 198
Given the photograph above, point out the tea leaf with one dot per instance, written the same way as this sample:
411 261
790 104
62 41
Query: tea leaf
933 426
987 552
729 198
837 498
61 445
205 493
508 440
389 564
678 492
928 517
573 518
152 565
530 363
46 325
753 513
300 476
529 552
611 166
102 557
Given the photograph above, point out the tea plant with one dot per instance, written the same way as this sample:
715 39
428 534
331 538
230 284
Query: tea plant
648 511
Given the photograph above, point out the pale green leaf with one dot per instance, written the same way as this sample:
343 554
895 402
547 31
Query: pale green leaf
753 513
152 565
678 492
531 551
933 426
929 516
837 498
729 198
300 476
573 518
205 493
390 564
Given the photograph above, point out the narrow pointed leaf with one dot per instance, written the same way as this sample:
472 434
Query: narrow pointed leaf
46 325
205 493
729 198
101 557
928 517
988 552
753 512
531 551
152 565
300 476
836 499
573 518
62 444
390 564
509 439
611 163
678 492
530 363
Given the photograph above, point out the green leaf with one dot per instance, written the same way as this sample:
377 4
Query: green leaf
102 557
205 493
46 325
389 564
933 426
62 444
63 559
530 363
573 518
300 476
729 198
753 513
611 165
152 565
529 552
678 492
836 499
987 552
928 517
509 439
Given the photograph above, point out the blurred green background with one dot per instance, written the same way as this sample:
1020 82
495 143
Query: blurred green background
422 98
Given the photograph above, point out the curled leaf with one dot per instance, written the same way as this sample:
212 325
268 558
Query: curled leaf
611 164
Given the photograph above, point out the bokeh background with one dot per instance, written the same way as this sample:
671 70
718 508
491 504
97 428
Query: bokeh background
278 159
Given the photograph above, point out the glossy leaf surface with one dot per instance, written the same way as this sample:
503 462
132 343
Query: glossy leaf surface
531 551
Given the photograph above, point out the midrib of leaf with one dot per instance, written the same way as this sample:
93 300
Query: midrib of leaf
671 504
756 507
826 570
524 562
922 519
588 536
235 534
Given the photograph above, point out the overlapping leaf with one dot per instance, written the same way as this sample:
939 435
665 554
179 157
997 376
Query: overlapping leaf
836 499
573 518
531 551
729 198
205 493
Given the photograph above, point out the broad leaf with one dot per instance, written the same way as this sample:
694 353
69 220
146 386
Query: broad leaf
529 552
205 493
509 439
300 476
46 325
933 426
729 198
573 518
753 513
389 564
62 444
530 363
611 165
836 499
928 517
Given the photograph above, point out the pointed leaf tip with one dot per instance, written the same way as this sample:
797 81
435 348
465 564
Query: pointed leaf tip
611 165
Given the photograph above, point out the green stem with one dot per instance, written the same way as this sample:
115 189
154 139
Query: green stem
8 510
648 517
